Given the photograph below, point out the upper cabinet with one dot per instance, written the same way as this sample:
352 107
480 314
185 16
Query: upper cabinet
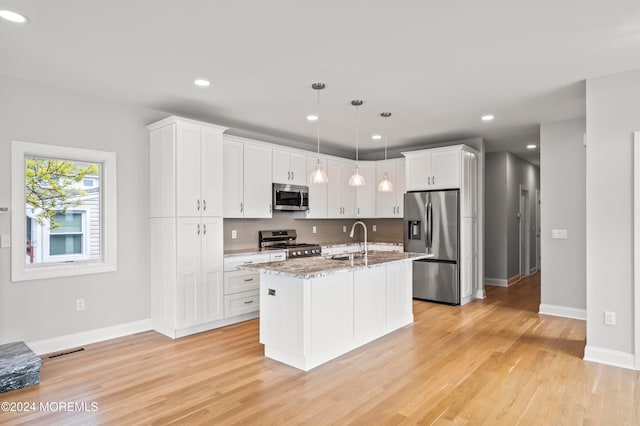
289 167
390 204
185 168
469 189
366 195
341 197
437 168
247 175
317 191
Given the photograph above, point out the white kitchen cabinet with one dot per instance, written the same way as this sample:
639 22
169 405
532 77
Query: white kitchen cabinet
366 195
289 167
317 191
241 288
247 175
185 168
469 259
390 204
340 196
199 271
469 189
437 168
186 274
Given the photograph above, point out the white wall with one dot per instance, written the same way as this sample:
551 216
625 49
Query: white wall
495 265
613 114
563 189
44 309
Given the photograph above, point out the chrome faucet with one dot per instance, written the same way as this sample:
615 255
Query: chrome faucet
353 227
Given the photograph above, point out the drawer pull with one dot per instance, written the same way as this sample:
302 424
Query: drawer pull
248 279
248 302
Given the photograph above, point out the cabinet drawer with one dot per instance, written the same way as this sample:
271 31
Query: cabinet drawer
241 303
238 281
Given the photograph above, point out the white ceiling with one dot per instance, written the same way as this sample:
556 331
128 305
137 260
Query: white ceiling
436 65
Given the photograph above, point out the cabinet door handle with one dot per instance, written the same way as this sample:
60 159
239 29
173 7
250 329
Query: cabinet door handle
358 210
429 180
270 208
292 175
288 175
198 229
248 302
241 207
204 205
433 180
248 279
198 202
204 229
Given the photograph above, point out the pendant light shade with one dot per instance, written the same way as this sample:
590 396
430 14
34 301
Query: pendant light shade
357 179
318 176
385 184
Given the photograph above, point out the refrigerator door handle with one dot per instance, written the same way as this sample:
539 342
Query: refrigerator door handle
428 227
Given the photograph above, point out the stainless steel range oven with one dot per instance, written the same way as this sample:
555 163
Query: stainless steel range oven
286 240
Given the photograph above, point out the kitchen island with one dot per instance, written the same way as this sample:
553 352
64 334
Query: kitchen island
315 309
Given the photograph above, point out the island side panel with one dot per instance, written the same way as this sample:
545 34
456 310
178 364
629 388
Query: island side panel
281 318
399 309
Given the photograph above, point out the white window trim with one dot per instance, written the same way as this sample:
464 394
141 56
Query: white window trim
20 271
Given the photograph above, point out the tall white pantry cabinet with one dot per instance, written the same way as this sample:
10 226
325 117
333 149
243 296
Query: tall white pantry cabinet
186 226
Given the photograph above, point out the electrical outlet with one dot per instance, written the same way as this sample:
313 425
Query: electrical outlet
313 229
374 228
79 304
559 233
609 318
344 228
234 234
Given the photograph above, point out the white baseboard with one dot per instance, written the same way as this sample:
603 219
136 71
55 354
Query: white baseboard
69 341
563 311
480 293
609 357
496 281
533 270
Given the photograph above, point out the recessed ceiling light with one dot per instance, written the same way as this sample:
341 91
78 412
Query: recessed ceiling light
376 137
202 82
312 117
487 117
13 17
532 146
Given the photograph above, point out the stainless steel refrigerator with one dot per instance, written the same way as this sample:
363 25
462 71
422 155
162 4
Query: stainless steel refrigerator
431 225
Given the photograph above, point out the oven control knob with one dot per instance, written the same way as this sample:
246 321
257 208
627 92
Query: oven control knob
306 252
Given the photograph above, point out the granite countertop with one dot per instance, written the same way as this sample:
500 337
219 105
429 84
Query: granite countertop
320 266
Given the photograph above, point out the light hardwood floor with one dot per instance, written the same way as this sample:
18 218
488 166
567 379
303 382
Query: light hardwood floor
494 362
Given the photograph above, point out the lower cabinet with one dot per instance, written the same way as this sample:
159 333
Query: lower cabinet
186 274
242 288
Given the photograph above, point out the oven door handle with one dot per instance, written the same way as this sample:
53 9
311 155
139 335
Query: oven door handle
301 198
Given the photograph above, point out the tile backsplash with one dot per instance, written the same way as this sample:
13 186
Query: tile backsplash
327 230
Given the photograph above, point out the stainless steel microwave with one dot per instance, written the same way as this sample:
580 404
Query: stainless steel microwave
290 197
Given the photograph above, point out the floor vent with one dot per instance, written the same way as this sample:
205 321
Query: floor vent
66 353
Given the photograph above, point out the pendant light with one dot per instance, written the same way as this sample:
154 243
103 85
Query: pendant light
356 178
385 184
318 175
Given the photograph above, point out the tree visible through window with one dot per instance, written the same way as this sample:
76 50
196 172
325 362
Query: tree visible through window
62 210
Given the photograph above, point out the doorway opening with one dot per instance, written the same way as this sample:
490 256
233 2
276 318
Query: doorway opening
524 217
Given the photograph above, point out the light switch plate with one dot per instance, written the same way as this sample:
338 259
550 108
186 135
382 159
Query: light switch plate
313 229
374 228
559 233
344 228
5 241
234 234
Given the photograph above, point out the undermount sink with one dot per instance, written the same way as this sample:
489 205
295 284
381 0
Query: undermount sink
346 256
